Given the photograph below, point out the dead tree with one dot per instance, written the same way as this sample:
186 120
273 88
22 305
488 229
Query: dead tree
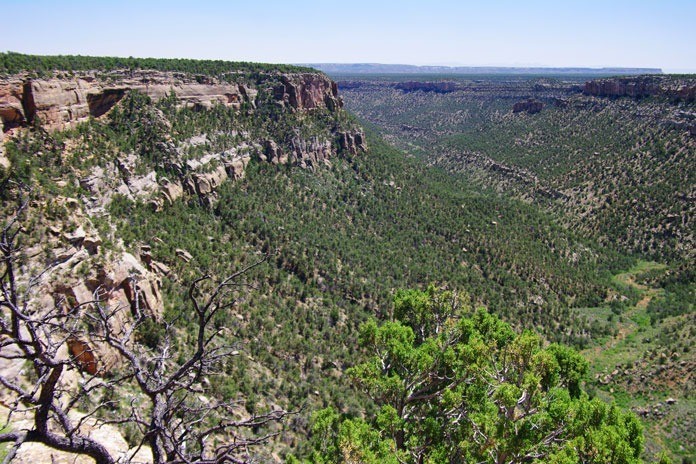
175 423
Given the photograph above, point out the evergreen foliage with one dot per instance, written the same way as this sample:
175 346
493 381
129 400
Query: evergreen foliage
457 385
13 63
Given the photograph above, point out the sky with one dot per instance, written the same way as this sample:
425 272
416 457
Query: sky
589 33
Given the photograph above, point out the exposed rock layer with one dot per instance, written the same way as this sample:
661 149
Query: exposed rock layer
62 100
641 87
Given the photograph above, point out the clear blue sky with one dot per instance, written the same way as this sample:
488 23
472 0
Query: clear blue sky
635 33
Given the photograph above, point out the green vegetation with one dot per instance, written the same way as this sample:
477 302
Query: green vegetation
648 362
12 63
454 385
618 170
622 170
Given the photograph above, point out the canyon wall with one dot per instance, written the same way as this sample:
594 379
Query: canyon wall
641 87
61 100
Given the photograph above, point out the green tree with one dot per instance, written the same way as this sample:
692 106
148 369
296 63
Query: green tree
456 385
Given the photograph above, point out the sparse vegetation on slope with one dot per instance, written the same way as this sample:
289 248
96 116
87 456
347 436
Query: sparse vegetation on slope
620 170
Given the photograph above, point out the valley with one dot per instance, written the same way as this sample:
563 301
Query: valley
613 158
565 214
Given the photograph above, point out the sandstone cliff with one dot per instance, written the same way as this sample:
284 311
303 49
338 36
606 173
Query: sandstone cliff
62 100
641 87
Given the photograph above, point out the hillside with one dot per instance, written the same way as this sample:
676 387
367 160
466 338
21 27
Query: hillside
621 168
174 170
613 158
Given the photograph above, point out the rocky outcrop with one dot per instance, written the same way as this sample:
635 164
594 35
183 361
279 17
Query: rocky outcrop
236 165
82 273
352 142
206 183
171 191
635 87
11 103
530 106
63 100
308 91
121 283
108 435
642 86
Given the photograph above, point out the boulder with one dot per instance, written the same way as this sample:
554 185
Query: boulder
160 268
77 236
171 190
236 166
206 183
183 255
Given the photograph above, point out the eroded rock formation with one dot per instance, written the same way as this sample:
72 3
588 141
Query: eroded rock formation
61 101
641 87
308 91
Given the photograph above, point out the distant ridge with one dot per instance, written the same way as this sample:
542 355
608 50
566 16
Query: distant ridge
376 68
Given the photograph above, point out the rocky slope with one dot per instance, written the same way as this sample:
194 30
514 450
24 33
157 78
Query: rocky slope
63 100
614 154
292 118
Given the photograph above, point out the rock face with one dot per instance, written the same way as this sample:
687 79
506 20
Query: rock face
11 106
85 274
530 106
641 87
122 283
60 101
308 91
635 87
106 434
352 142
308 153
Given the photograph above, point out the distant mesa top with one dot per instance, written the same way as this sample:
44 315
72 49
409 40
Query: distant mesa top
377 68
